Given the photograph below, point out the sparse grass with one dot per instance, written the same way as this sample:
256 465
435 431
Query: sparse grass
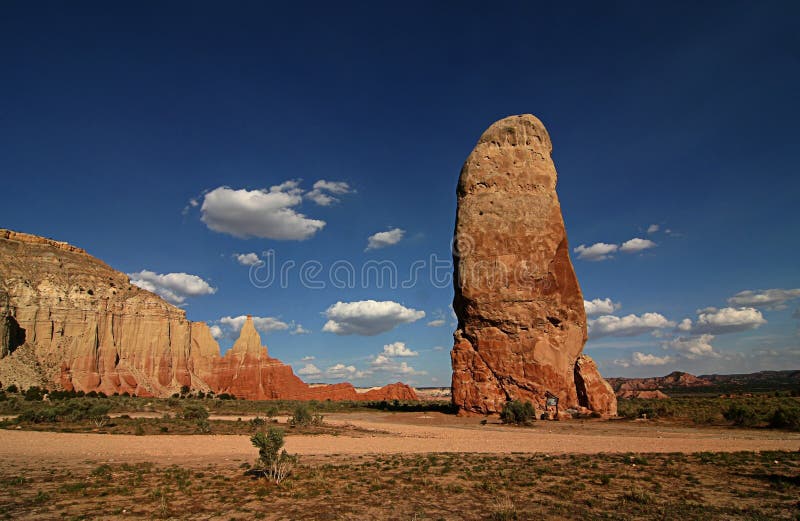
764 410
742 485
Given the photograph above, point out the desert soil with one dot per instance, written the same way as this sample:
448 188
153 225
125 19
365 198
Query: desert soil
398 433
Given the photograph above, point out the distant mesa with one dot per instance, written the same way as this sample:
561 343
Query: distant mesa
69 321
521 321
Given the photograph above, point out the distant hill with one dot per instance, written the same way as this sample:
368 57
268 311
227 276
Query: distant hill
681 383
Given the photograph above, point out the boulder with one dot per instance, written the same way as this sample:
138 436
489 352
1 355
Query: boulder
521 322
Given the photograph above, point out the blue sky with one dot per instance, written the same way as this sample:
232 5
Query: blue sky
114 118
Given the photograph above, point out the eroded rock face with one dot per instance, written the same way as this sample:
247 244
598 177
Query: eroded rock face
594 392
521 322
69 321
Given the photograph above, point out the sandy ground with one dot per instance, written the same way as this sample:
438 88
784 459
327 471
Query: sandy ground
395 433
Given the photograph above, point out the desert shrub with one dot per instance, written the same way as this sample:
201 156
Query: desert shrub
34 394
272 411
185 390
258 422
303 415
518 412
194 411
785 417
203 426
98 414
46 415
226 396
741 415
12 389
273 461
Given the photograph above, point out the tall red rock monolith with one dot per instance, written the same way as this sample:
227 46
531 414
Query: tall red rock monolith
521 322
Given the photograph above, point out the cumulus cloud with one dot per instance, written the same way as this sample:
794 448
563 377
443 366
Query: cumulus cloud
384 239
322 190
726 320
386 364
653 228
173 287
398 349
629 325
636 245
438 348
775 298
368 317
646 359
309 370
341 371
247 259
299 330
308 358
598 251
263 324
693 347
268 214
600 306
216 331
439 322
601 251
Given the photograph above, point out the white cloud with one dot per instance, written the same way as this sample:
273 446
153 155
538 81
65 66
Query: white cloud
268 214
646 359
299 330
629 325
600 306
653 228
636 245
263 324
173 287
216 331
726 320
398 349
308 358
438 348
341 371
439 322
309 370
685 325
368 317
386 364
598 251
322 190
693 347
247 259
775 298
384 239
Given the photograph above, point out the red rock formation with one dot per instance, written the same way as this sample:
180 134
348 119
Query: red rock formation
593 391
658 395
68 320
674 379
521 322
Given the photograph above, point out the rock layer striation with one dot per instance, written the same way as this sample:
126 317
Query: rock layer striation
521 321
70 321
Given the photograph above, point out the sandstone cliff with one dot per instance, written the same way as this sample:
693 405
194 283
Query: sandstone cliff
521 322
68 320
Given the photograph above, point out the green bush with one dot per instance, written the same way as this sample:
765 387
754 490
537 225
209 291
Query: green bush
304 415
34 394
273 461
741 415
785 417
194 411
518 412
